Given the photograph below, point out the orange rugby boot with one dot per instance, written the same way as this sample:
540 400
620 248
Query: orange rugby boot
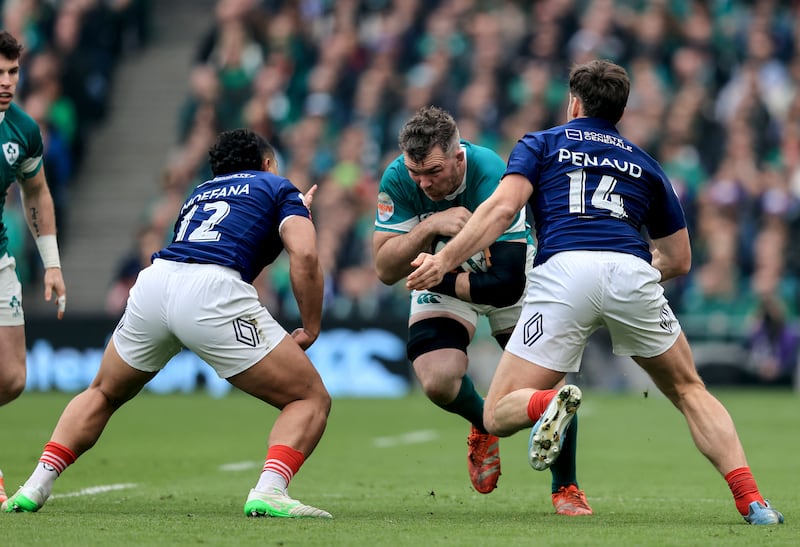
483 460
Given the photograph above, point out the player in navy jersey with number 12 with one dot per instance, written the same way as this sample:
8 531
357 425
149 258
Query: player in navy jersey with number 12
198 294
591 192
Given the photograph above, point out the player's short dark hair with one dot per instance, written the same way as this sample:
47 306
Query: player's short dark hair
9 47
602 87
239 150
429 127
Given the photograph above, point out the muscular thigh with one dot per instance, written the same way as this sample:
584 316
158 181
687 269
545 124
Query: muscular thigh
12 352
437 346
284 375
514 373
674 369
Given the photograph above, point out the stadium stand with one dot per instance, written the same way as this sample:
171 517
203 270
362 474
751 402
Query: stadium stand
329 83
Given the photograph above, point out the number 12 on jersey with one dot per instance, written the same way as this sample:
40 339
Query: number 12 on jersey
206 231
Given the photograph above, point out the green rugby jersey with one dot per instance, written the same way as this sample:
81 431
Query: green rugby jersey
402 204
21 142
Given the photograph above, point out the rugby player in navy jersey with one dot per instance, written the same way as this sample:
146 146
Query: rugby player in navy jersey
21 162
197 293
592 191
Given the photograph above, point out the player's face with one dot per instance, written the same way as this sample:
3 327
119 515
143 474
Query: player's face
9 77
438 175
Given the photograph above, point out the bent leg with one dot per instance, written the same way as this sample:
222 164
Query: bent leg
84 418
710 424
514 382
286 379
12 362
80 425
440 372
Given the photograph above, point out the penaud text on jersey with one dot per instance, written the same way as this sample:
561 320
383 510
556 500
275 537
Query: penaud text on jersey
233 221
594 190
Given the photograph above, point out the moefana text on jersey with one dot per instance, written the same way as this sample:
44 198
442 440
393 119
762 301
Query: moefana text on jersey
582 159
218 193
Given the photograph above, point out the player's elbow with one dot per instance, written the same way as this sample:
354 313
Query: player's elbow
504 212
684 266
386 274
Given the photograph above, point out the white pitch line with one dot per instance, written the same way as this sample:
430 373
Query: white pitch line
412 437
240 466
92 490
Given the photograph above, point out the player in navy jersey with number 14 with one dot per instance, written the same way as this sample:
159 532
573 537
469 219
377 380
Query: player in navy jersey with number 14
591 192
198 294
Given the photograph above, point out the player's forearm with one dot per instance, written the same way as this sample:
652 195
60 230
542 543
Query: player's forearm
308 286
393 259
672 255
39 212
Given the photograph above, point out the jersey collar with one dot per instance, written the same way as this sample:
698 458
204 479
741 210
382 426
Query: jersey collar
594 123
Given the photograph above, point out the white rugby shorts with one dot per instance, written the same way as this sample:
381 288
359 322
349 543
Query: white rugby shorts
203 307
575 293
500 319
11 314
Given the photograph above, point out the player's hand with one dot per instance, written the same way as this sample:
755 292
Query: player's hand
54 283
308 197
450 221
304 338
428 272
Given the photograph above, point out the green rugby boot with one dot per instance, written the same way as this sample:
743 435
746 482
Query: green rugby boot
27 499
279 504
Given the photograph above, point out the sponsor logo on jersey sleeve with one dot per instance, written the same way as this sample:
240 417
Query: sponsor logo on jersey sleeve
574 134
385 207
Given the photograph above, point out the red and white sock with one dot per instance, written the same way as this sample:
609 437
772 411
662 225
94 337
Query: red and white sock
53 461
280 466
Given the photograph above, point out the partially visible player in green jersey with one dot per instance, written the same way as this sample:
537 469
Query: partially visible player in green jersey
21 162
426 195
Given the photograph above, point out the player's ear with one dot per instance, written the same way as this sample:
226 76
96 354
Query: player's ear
270 165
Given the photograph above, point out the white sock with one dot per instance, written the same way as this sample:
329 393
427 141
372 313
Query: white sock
43 476
270 480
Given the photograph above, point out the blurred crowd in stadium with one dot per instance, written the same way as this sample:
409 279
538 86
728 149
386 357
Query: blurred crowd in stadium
329 83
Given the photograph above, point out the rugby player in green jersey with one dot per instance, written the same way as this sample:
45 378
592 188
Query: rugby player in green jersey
21 162
426 196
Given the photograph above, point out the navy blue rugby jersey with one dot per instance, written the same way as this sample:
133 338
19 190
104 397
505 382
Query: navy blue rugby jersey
232 220
594 190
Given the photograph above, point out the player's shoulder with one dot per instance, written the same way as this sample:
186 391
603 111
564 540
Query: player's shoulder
20 120
395 176
481 154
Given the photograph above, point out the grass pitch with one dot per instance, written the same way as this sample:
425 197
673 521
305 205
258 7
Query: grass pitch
175 470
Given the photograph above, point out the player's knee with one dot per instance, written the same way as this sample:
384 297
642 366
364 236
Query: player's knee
324 403
439 381
438 391
11 388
